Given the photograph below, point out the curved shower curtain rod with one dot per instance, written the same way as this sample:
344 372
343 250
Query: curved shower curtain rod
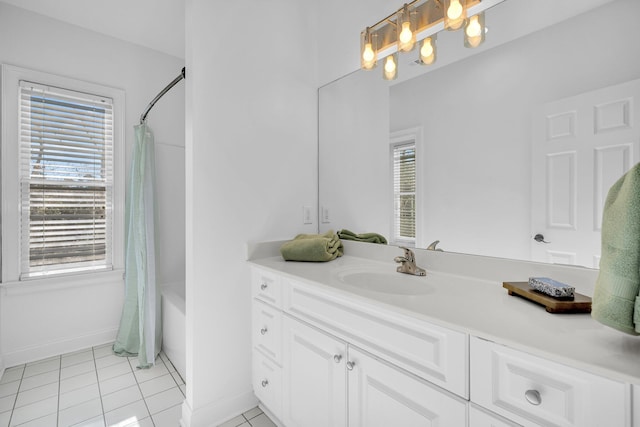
175 81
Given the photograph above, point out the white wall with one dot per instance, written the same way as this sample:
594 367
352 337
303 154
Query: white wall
251 167
477 115
354 154
36 322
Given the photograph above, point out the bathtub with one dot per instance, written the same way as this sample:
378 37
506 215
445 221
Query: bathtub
173 326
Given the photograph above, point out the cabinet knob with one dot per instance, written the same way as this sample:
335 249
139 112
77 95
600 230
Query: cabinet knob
265 383
350 365
337 358
263 286
263 331
533 397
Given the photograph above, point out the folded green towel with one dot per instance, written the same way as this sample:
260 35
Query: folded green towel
313 247
616 299
345 234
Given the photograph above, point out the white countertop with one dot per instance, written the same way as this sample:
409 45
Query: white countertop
484 309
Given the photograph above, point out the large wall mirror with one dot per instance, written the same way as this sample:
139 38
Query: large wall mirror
504 134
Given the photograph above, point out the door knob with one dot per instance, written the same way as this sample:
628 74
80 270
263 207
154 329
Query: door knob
539 238
263 286
263 331
350 365
337 358
265 383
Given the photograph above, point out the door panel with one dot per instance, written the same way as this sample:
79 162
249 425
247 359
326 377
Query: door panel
581 146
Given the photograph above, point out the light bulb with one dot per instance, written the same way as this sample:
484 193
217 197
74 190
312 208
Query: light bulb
455 10
368 55
390 68
390 65
427 51
474 29
406 35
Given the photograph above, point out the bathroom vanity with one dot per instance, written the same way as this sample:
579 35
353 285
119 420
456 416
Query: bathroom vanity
353 343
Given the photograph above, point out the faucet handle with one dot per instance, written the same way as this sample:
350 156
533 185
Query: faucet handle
408 254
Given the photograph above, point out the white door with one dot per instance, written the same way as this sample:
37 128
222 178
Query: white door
314 389
381 395
581 146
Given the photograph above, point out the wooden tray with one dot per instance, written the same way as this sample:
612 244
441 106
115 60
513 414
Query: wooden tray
579 304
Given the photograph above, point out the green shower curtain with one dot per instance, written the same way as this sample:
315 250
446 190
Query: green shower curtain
140 331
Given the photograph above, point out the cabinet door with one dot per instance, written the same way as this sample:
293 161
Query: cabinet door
381 395
314 391
481 418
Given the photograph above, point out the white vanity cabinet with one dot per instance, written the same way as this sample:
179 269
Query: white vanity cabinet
534 391
266 334
324 356
381 395
319 371
311 373
314 393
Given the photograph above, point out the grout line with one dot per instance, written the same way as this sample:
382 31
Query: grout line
144 400
104 419
13 408
59 381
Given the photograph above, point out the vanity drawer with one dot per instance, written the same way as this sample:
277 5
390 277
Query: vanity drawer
534 391
267 383
431 352
267 330
266 286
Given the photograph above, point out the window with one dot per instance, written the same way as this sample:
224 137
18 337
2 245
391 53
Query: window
404 192
405 148
61 168
66 178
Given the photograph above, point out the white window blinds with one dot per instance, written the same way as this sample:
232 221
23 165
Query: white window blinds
404 192
66 180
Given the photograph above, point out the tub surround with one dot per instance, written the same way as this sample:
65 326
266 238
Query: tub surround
464 295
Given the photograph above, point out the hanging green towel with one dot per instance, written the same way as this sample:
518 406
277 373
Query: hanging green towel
345 234
616 299
312 247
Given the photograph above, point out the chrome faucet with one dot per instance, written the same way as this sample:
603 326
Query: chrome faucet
432 246
408 264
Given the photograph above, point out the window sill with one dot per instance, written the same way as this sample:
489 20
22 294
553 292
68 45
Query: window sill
48 284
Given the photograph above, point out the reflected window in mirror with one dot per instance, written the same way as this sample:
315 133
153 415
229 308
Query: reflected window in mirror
403 156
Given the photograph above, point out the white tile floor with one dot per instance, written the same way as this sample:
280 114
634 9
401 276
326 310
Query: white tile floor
94 388
91 388
252 418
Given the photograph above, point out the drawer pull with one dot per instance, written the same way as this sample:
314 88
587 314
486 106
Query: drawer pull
263 331
533 397
264 287
264 383
350 365
337 358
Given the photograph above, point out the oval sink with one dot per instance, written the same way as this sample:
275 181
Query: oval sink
386 282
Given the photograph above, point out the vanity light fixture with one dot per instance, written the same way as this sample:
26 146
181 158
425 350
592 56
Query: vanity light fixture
418 23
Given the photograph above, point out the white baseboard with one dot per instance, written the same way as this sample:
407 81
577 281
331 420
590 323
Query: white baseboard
216 413
54 348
